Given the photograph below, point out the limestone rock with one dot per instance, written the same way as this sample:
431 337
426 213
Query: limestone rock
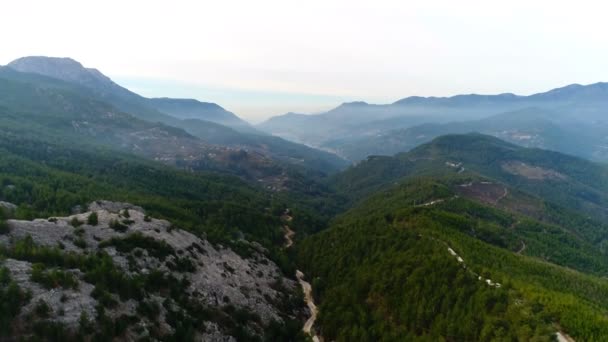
217 276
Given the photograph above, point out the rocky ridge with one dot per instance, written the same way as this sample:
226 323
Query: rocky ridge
213 279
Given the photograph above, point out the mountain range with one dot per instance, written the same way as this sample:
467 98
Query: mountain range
69 70
569 119
129 218
189 133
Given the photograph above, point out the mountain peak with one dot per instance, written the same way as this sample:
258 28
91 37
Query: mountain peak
464 99
45 61
595 91
354 104
159 109
471 143
63 68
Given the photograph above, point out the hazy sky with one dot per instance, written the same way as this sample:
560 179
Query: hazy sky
262 58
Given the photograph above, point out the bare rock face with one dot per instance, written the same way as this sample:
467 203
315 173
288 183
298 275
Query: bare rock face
113 207
67 304
213 277
213 333
7 206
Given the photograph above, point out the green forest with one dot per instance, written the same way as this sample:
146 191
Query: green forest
382 271
465 238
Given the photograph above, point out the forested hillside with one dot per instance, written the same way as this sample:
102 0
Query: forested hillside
199 228
569 181
422 262
43 176
208 122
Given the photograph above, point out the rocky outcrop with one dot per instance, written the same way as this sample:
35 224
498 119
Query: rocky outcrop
216 277
113 207
7 206
67 305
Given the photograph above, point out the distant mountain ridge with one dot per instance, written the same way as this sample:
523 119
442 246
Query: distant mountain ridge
207 121
529 127
69 70
194 109
66 69
570 119
572 90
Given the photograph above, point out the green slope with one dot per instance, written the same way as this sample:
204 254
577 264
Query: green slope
383 272
61 74
571 182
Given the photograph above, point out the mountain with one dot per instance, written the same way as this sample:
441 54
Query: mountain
342 121
69 70
530 127
49 110
100 86
351 122
193 109
464 238
37 110
566 180
126 218
167 262
429 259
94 85
66 69
94 287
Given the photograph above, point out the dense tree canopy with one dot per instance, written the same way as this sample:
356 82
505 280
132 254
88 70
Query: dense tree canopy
383 271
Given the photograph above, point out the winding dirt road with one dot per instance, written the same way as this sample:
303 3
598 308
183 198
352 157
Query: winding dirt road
310 302
523 247
563 337
306 287
505 194
427 204
289 234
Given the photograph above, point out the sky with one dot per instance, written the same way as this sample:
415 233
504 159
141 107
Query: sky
268 57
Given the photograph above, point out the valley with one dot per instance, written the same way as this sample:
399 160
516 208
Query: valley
303 171
306 287
131 218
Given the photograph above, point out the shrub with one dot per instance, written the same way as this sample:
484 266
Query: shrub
50 331
75 222
52 278
125 213
12 299
149 309
182 265
85 325
42 309
103 297
4 229
80 242
117 226
155 248
93 219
